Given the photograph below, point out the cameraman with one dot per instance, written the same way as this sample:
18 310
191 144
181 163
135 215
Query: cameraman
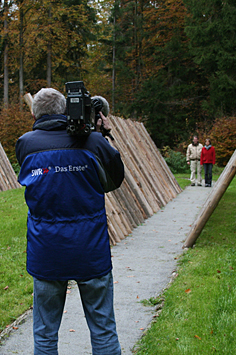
67 237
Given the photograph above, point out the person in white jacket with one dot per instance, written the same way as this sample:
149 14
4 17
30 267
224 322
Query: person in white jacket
193 157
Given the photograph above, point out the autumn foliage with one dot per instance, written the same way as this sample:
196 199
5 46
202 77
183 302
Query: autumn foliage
169 63
13 123
223 137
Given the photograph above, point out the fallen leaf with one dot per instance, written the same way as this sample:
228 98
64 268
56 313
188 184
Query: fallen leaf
6 288
116 282
15 327
187 291
137 297
218 271
68 291
65 311
141 328
196 336
130 276
72 330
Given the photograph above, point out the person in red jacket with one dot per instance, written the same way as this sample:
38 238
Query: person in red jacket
207 160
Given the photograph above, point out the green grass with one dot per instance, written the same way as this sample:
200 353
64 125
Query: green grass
201 320
197 272
15 284
183 180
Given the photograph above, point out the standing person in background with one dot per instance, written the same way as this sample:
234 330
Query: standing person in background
193 159
207 160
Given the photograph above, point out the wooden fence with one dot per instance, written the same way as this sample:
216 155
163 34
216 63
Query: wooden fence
148 184
8 179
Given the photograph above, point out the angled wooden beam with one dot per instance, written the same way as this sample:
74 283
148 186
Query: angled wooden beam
212 201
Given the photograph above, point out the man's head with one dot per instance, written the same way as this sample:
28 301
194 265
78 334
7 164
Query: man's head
195 140
48 102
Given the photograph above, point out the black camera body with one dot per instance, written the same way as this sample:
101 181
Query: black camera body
83 111
79 111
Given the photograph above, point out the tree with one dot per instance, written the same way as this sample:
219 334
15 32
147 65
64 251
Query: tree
46 42
170 96
6 78
99 70
211 28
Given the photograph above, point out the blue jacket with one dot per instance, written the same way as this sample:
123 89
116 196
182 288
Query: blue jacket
65 179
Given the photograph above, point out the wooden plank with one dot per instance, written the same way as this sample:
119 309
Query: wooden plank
8 179
212 201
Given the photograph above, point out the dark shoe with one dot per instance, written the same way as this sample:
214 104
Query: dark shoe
192 184
207 185
199 184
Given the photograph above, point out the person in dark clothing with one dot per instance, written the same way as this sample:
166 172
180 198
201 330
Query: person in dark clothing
67 236
207 160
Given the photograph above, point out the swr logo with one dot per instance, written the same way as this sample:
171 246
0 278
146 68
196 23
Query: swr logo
40 171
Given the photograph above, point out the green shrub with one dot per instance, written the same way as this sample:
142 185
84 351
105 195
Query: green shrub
175 160
16 168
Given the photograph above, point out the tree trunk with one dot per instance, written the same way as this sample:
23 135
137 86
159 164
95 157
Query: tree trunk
6 78
21 70
49 52
114 65
49 65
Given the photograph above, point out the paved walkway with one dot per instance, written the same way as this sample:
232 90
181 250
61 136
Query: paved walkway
143 266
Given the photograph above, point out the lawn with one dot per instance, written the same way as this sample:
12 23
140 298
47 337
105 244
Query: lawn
15 284
199 312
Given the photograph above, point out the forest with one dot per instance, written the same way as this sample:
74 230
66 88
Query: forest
168 63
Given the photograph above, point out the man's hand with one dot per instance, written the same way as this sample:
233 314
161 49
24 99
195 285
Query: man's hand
105 121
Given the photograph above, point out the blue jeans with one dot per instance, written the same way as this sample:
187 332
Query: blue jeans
208 173
97 300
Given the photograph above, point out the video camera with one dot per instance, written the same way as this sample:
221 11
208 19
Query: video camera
83 111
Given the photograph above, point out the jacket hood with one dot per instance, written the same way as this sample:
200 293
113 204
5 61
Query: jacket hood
51 123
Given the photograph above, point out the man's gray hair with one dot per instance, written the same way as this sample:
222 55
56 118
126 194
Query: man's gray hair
48 101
